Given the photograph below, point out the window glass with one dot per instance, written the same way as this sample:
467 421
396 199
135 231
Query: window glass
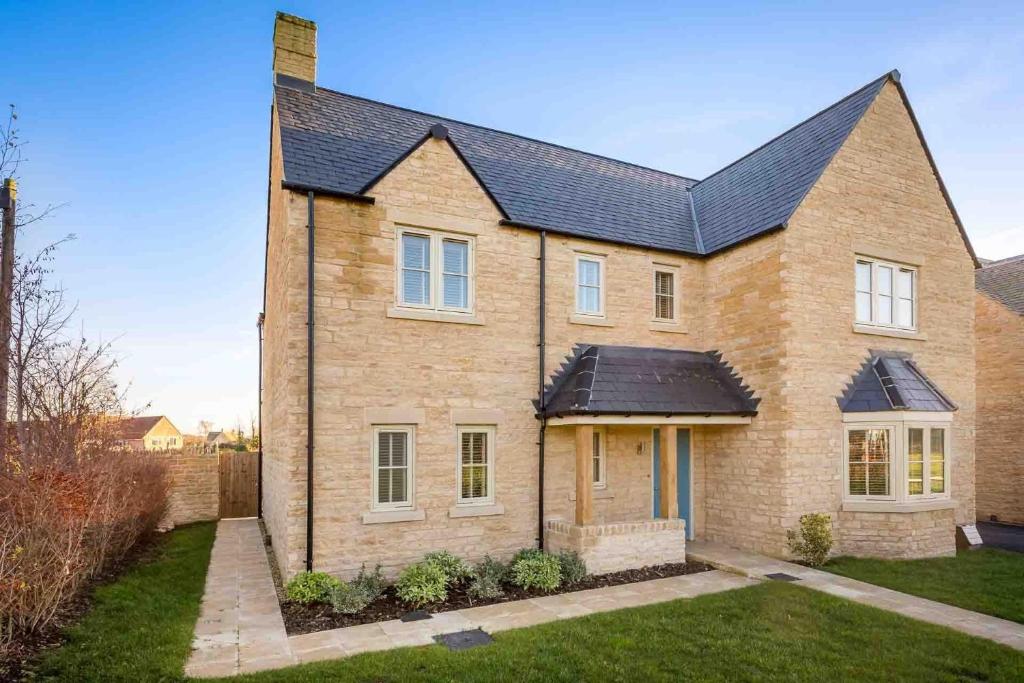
863 291
455 275
588 278
598 460
869 462
415 269
392 467
938 460
475 461
915 461
664 295
905 298
884 275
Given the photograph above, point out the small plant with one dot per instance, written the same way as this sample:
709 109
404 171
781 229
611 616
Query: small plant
422 583
455 570
814 541
372 585
310 587
349 598
537 570
573 568
526 552
488 575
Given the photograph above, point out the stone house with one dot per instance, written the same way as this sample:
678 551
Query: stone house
149 433
477 341
999 326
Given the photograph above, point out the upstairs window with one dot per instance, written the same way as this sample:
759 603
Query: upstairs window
886 294
664 295
589 285
435 271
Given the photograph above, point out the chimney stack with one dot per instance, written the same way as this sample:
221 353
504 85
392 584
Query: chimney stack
295 47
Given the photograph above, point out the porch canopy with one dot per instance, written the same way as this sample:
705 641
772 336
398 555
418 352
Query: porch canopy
626 385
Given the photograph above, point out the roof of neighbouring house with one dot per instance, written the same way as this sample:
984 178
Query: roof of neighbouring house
137 427
1003 281
340 143
891 380
628 380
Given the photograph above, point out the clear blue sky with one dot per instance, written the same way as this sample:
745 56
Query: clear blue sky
151 121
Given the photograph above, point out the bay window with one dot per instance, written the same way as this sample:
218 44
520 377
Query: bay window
904 462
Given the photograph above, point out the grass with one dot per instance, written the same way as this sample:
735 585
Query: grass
985 580
140 627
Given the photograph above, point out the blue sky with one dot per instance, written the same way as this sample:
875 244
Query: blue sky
150 120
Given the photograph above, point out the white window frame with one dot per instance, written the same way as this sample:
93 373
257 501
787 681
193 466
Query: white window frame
894 450
601 438
491 433
602 288
899 458
435 301
674 272
410 431
915 283
927 428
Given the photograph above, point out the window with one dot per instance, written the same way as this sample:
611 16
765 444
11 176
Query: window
886 294
664 295
926 461
869 471
476 465
902 462
589 285
435 271
600 471
393 456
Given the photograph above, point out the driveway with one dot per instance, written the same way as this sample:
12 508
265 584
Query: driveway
1005 536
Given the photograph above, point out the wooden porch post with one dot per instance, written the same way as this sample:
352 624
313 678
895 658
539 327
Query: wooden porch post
669 501
584 469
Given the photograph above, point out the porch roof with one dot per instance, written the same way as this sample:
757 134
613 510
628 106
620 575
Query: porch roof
634 381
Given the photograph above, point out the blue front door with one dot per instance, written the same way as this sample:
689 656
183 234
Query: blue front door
682 476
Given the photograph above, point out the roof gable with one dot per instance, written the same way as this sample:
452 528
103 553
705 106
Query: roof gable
1003 281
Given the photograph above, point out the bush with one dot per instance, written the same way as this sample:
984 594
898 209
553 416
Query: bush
537 570
488 575
572 567
523 553
348 598
422 583
372 585
455 570
310 587
814 541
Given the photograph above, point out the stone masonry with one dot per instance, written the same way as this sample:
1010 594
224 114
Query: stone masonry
626 545
193 481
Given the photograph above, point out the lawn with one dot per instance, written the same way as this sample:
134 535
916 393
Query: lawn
140 627
984 580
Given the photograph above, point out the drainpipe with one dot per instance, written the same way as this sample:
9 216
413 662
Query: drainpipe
540 396
309 387
259 420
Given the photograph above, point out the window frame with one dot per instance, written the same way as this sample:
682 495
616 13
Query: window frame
491 432
915 278
601 439
899 458
435 269
672 271
926 443
410 431
894 449
600 260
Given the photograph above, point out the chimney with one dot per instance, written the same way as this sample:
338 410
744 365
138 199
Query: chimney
295 47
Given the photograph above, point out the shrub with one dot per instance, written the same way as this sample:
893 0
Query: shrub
537 570
525 553
814 541
372 585
310 587
488 575
348 598
422 583
455 570
572 567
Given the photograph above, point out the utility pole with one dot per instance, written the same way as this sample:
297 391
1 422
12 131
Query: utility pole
8 203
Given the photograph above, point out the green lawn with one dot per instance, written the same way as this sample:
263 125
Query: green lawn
140 628
984 580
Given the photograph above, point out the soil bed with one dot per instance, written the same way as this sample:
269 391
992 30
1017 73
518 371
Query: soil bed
300 619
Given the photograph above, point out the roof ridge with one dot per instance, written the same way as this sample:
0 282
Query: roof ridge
889 74
1002 261
505 132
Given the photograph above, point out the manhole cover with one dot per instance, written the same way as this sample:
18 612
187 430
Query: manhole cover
415 615
782 577
463 640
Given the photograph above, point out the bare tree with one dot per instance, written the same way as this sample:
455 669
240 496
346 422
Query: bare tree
205 427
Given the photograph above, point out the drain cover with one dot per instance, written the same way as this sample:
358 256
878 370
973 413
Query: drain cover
782 577
415 615
463 640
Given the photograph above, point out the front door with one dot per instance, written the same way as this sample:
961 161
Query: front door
683 477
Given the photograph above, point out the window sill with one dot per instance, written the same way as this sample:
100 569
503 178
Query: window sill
598 494
664 326
476 510
598 321
387 516
433 316
892 506
860 328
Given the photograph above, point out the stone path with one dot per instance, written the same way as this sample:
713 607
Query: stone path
758 567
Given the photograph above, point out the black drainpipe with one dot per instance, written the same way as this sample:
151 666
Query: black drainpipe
540 399
259 422
309 389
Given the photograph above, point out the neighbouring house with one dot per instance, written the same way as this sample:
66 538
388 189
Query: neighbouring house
149 433
999 326
478 341
215 440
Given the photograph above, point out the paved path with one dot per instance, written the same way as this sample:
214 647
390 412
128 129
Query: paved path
758 567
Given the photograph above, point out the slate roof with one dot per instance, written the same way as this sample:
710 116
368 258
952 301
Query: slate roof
891 380
627 380
340 143
137 427
1003 281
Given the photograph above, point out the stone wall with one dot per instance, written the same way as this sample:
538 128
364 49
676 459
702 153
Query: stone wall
1000 376
194 490
626 545
896 535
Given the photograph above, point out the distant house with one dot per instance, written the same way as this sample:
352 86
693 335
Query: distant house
218 439
149 433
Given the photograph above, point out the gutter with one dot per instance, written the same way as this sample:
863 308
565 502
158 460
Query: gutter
540 391
309 383
326 192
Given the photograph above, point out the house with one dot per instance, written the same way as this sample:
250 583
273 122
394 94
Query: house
477 341
999 324
149 433
215 440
